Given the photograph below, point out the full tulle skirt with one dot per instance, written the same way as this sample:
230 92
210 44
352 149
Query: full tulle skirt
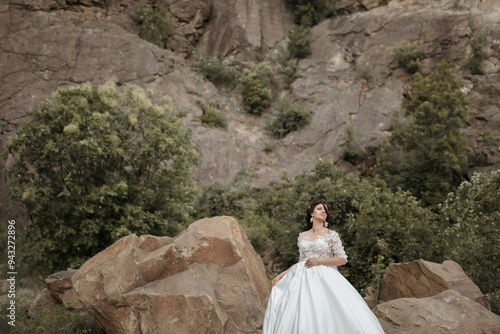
317 300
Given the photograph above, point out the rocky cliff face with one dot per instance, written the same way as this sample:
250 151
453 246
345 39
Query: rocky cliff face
48 44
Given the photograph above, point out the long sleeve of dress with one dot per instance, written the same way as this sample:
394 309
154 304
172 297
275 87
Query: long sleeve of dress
336 245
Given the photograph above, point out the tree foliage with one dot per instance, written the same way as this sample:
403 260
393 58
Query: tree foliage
219 72
299 41
471 229
409 56
255 88
155 25
377 226
427 153
212 116
95 164
388 228
478 55
288 116
310 12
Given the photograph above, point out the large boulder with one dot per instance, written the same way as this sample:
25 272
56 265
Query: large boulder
206 280
61 288
418 279
446 313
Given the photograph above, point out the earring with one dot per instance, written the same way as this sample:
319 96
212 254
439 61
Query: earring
311 220
325 223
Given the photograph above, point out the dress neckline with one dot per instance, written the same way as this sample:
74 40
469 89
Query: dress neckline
307 238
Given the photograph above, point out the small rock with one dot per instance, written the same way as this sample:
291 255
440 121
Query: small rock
44 301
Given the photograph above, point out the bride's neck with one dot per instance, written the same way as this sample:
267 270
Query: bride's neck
317 227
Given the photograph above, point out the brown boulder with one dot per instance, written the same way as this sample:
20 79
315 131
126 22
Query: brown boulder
421 278
447 312
44 301
61 288
206 280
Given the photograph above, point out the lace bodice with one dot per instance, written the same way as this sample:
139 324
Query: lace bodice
321 246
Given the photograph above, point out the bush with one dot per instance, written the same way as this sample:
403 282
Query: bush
389 228
94 165
363 69
306 16
427 153
255 88
299 41
155 25
217 199
409 56
470 222
288 72
212 116
478 55
352 150
310 12
288 116
216 70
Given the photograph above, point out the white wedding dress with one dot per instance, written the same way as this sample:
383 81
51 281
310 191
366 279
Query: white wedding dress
318 299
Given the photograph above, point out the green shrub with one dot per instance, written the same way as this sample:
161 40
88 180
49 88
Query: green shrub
478 55
389 227
299 41
255 88
217 199
289 73
288 116
427 153
351 149
409 56
310 12
306 16
212 116
470 223
491 138
363 69
269 147
215 70
494 301
155 25
98 172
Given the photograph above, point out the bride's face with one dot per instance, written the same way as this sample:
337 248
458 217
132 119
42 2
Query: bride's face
319 212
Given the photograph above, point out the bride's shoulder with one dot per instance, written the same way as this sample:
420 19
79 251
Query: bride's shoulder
333 233
303 234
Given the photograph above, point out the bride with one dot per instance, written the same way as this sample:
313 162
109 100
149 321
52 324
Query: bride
312 296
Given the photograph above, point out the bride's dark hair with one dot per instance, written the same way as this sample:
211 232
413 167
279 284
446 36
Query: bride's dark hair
310 209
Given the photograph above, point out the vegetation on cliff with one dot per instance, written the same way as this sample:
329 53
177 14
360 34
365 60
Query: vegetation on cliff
427 154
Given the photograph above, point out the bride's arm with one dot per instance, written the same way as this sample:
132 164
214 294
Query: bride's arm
330 261
280 276
339 258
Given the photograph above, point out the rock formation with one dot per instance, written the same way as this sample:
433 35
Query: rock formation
418 279
61 288
206 280
447 312
43 301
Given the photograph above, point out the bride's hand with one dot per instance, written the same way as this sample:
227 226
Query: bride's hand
313 261
277 278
